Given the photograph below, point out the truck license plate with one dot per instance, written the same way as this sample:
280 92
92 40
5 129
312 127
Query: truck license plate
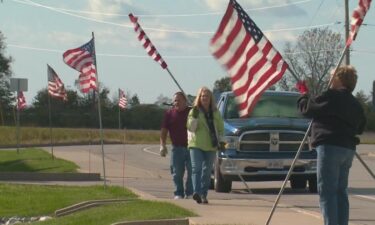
275 164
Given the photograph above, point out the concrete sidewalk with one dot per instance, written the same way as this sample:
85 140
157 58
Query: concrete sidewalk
218 212
241 212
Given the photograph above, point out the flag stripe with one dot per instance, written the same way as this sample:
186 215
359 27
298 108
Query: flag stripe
357 18
21 101
146 42
82 59
55 85
250 59
123 102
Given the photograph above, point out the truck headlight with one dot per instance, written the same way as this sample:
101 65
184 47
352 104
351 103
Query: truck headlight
231 142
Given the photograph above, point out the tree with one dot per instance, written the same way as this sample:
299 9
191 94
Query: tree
6 97
222 85
134 100
312 58
161 100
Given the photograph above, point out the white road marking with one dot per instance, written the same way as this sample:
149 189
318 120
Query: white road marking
365 197
147 149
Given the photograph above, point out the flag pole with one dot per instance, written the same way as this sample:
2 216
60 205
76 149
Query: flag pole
50 122
99 111
18 124
119 111
178 85
302 143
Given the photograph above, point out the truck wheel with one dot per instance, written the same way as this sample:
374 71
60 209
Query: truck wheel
313 186
220 184
298 183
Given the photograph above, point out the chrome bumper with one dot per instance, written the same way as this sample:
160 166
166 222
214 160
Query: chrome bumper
256 167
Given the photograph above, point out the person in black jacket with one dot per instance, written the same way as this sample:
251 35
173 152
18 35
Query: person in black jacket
337 118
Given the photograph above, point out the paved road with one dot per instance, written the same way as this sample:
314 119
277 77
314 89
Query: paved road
141 167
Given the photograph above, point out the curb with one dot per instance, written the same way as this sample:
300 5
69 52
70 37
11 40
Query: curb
86 205
184 221
31 176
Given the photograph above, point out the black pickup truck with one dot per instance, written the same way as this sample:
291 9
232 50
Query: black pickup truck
263 146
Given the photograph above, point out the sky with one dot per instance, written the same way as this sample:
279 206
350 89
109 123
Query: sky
37 33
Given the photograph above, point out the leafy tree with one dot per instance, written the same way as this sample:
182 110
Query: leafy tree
366 103
314 55
6 97
161 100
134 100
222 85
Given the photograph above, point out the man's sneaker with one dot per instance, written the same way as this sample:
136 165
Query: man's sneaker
197 198
176 197
204 200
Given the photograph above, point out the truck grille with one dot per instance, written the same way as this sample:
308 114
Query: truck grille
272 141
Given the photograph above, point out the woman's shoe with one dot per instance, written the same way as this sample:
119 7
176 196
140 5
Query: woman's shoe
197 198
204 200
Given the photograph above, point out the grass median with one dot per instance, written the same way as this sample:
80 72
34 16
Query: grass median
31 200
38 136
42 200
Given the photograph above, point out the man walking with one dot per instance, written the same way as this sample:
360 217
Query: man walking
174 123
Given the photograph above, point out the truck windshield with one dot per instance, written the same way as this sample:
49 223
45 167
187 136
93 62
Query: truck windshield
267 106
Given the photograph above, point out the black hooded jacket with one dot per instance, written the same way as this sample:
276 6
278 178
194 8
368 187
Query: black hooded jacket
337 118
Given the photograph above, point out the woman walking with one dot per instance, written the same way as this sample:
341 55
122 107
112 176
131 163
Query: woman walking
205 127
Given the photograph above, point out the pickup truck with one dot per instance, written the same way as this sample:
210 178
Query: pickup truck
262 146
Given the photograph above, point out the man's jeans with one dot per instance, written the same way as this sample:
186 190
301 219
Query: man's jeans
202 162
334 163
180 159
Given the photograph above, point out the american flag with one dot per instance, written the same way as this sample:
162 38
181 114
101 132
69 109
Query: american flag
146 42
249 58
357 18
83 60
21 101
55 85
122 102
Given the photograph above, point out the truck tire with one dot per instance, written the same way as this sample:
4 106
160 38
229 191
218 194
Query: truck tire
220 184
313 185
298 183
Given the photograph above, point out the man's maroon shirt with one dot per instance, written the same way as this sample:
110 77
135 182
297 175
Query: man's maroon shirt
175 122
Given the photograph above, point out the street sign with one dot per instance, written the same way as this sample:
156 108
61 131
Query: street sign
18 84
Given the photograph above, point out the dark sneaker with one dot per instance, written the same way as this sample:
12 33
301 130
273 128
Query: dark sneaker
197 198
204 200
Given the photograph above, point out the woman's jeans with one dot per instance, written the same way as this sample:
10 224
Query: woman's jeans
201 162
180 159
333 167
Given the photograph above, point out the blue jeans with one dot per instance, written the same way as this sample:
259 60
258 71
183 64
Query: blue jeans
201 162
333 167
180 160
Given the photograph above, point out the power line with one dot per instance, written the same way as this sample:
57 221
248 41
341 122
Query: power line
170 56
160 15
159 29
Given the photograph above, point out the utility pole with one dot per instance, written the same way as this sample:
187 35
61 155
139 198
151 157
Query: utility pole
347 53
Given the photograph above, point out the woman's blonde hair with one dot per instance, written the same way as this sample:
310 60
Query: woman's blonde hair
197 102
348 76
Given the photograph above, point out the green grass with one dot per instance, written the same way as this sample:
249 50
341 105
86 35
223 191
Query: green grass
135 210
38 200
41 136
33 160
